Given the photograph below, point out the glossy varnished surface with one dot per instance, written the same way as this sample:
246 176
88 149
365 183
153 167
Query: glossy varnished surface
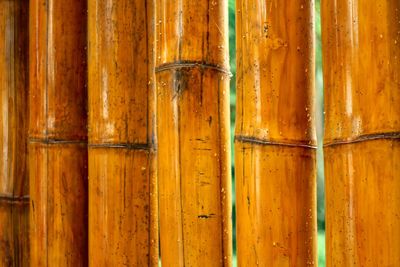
57 70
275 71
193 184
275 134
363 204
14 243
58 206
57 130
122 187
14 233
275 201
119 207
361 44
192 31
193 133
118 72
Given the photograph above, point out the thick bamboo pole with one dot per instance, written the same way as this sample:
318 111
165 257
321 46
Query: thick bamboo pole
193 114
122 186
14 243
361 44
275 134
57 129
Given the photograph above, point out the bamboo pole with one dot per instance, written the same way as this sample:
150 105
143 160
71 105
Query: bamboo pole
57 129
14 243
193 133
122 187
275 135
361 45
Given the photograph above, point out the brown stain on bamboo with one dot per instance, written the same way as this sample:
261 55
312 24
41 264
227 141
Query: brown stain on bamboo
193 133
123 227
275 135
57 133
361 45
14 242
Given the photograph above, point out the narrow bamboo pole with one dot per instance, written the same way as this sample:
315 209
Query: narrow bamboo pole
122 187
361 44
57 129
275 135
193 133
14 244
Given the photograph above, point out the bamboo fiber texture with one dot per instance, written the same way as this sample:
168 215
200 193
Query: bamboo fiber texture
361 45
57 131
275 135
193 133
122 187
14 245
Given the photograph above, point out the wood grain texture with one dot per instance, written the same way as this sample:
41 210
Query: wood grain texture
123 227
57 130
14 243
193 133
275 134
361 44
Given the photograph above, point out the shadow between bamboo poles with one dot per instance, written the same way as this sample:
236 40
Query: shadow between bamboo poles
14 242
57 130
193 133
123 227
275 134
361 45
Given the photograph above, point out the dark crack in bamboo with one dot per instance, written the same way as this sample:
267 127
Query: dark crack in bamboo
193 133
275 136
57 132
123 227
361 53
14 208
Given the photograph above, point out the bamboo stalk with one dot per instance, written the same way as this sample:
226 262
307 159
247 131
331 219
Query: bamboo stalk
122 160
193 132
57 129
14 243
361 44
275 135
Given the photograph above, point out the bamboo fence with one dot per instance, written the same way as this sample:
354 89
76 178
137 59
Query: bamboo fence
115 136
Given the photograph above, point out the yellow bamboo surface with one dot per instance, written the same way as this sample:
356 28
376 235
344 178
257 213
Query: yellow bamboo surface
14 242
122 187
361 45
275 135
57 130
193 133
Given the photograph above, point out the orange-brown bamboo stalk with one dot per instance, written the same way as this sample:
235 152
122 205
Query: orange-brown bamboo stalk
57 130
361 45
122 186
193 132
14 243
275 135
